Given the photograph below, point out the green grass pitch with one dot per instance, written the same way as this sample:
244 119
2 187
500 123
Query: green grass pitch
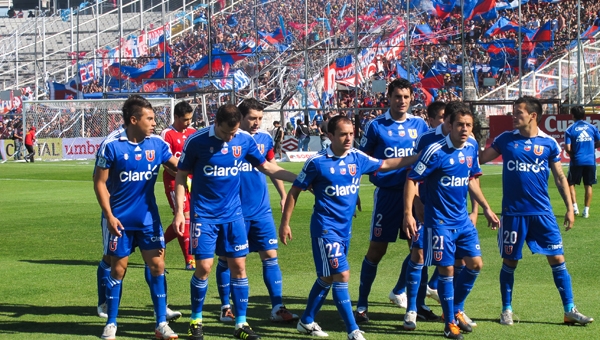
51 245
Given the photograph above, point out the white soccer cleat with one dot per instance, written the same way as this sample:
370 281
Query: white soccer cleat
356 334
282 314
163 331
574 316
506 318
433 293
410 320
468 320
102 311
312 329
172 315
585 215
398 300
110 332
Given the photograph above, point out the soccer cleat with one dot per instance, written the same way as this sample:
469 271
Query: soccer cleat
312 329
585 214
399 300
433 293
410 321
246 333
163 331
462 323
356 334
191 265
195 330
172 315
110 332
102 310
451 331
283 315
226 314
576 212
426 314
573 316
506 318
361 317
468 320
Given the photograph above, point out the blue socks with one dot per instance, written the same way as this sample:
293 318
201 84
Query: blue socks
446 293
433 281
341 297
413 281
158 290
401 283
422 292
463 286
562 280
198 294
239 295
113 297
273 281
316 297
507 281
367 276
102 274
223 280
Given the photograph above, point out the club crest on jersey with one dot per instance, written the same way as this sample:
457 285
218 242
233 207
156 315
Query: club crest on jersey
508 250
390 133
343 171
224 151
332 170
352 169
261 148
461 158
237 151
451 161
516 145
150 155
402 133
469 161
126 156
437 255
527 147
112 244
138 156
538 149
377 232
412 133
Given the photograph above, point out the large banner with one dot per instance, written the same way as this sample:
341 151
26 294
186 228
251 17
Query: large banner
45 149
81 148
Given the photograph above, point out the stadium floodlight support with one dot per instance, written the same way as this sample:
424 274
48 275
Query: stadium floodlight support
520 52
579 55
462 43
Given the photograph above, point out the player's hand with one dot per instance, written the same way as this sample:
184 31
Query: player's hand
569 220
179 224
285 233
410 226
493 220
358 206
473 217
115 226
282 202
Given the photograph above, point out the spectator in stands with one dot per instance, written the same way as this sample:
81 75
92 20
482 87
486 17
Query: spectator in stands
277 138
11 12
31 15
302 134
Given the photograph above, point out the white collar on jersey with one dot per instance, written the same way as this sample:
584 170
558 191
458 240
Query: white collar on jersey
388 116
211 132
451 145
123 134
330 153
539 134
438 130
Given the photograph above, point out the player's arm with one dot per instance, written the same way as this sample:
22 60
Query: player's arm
279 186
397 163
474 206
103 197
285 232
171 165
275 171
180 184
477 195
411 188
487 155
563 188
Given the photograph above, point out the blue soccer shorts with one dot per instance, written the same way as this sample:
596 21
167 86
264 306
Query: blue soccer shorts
388 216
224 239
148 238
417 240
262 234
541 232
330 256
442 246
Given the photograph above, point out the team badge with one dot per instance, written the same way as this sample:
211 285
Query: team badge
377 232
437 255
150 155
527 147
126 156
194 242
469 161
138 156
412 133
389 133
343 171
332 170
538 149
211 150
402 133
516 145
352 169
237 151
178 141
334 263
224 151
112 244
508 250
261 148
415 238
451 161
461 158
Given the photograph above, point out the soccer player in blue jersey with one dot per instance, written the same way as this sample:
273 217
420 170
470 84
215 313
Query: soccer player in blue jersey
334 175
528 156
215 155
581 141
392 134
258 217
127 164
448 168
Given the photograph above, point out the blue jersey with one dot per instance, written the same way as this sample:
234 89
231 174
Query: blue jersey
525 172
446 172
216 166
582 136
387 138
133 168
335 182
254 191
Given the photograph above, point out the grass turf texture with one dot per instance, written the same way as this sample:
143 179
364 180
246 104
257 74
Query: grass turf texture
52 244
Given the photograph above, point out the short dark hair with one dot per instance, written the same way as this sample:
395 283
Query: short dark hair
182 108
333 123
250 104
578 112
434 108
276 122
133 107
532 104
399 83
228 114
455 108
